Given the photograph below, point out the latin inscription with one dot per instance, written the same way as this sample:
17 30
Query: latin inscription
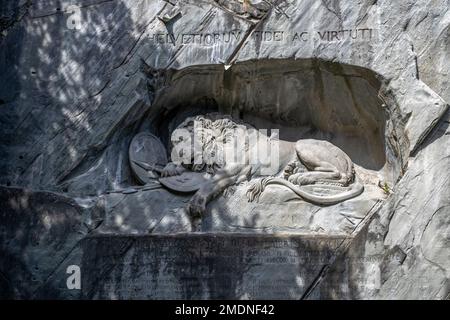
209 39
201 267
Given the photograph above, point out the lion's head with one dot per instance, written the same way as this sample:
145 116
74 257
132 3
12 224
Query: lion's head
200 142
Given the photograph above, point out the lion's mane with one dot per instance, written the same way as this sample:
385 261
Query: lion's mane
213 130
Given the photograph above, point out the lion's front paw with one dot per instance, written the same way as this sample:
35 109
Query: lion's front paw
197 205
293 178
171 169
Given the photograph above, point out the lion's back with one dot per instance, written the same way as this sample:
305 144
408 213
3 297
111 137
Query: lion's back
322 150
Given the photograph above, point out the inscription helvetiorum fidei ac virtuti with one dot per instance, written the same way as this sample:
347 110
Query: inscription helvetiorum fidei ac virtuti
224 149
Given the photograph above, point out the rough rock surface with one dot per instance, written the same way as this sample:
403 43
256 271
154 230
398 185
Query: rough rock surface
76 86
40 236
404 251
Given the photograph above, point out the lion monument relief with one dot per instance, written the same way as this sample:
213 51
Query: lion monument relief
214 151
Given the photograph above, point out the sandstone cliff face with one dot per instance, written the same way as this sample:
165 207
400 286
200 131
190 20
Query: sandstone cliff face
76 83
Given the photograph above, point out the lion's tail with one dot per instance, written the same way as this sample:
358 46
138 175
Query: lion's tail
255 190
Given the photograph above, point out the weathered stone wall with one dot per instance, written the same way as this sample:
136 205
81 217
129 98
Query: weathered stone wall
72 98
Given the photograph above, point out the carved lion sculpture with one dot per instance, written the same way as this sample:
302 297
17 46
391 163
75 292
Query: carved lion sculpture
300 163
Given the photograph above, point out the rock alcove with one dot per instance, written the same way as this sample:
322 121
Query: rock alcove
344 104
305 99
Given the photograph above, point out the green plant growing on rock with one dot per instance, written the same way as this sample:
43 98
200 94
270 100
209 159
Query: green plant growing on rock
386 188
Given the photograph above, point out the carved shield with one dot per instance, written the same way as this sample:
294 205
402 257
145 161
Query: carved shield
147 157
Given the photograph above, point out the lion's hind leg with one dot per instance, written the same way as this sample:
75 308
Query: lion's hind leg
313 177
